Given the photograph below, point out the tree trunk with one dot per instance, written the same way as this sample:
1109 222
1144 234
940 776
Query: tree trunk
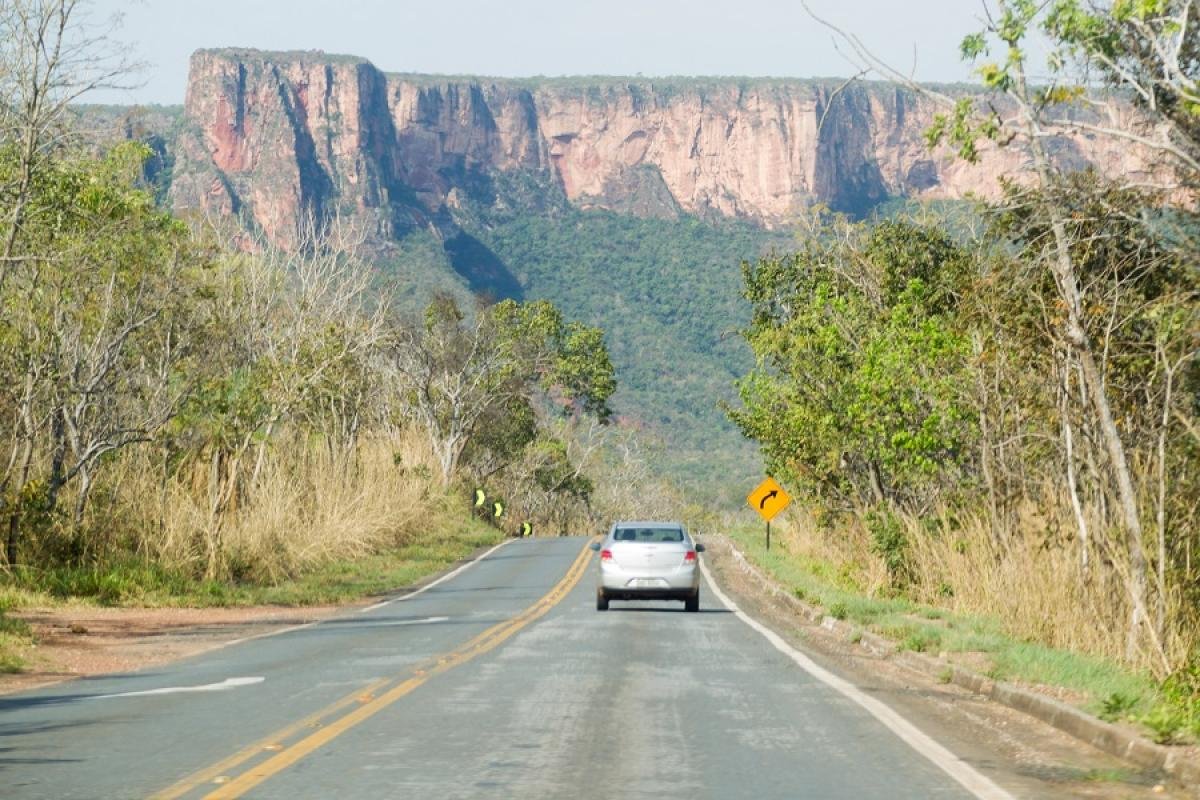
1160 622
1065 276
876 482
58 443
26 464
1072 479
14 534
1127 496
985 454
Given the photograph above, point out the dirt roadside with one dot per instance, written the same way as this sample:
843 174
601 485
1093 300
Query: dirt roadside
1023 754
76 642
79 641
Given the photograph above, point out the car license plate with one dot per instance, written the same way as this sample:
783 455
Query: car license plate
647 583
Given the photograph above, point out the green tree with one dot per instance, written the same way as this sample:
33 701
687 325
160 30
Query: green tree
858 393
97 330
454 372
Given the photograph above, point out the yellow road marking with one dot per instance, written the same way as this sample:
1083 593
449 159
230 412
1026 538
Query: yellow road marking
487 640
219 769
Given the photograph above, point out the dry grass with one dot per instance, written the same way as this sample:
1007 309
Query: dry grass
306 507
837 570
1035 584
848 546
1032 584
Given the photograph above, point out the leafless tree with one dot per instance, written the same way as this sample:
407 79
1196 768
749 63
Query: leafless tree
51 54
451 371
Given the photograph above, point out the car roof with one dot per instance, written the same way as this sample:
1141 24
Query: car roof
646 524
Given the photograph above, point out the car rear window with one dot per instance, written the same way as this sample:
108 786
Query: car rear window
648 535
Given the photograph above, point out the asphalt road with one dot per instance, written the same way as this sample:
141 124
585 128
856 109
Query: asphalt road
502 681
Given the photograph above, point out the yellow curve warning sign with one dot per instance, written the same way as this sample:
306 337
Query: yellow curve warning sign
768 499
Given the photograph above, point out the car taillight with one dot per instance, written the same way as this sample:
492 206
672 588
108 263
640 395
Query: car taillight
606 555
689 557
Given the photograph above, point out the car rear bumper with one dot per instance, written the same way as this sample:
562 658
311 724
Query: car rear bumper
679 583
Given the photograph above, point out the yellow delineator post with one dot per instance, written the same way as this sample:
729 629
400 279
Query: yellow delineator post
768 500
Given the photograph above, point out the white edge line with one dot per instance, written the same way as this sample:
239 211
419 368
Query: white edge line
442 579
386 624
452 573
975 782
228 683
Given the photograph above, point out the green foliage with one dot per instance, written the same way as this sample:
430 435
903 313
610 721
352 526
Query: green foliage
963 127
1149 49
889 541
555 474
475 386
137 582
583 369
99 300
921 641
416 268
15 638
857 396
504 431
113 583
571 358
1117 706
1166 724
973 46
1177 714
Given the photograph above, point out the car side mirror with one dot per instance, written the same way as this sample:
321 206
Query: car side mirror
595 546
699 547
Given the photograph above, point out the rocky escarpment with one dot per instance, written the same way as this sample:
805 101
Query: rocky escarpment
276 138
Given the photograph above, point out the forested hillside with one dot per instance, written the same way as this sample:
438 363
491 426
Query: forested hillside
666 293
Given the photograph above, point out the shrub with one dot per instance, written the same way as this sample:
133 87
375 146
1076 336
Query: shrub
889 541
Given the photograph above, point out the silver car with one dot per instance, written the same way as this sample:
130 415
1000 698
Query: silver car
648 561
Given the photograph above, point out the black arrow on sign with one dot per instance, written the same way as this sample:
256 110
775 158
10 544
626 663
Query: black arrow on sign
763 503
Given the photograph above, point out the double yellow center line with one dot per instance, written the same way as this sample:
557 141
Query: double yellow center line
334 720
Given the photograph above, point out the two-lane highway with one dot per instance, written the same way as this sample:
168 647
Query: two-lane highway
501 681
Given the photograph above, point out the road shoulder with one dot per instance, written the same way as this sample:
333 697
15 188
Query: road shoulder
1017 751
78 641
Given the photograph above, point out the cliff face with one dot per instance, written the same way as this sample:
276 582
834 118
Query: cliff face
275 138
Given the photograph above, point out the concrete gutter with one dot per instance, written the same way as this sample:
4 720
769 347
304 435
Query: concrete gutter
1105 736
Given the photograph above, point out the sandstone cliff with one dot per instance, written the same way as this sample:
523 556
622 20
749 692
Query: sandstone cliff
276 137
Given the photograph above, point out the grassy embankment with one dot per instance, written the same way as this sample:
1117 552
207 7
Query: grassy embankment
134 584
856 590
310 531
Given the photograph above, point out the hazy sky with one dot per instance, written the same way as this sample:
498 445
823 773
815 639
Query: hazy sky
547 37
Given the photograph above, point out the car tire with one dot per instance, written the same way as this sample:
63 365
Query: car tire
692 603
601 600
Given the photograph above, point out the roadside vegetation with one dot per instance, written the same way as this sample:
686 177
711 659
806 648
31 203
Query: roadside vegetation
1000 416
802 558
186 421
